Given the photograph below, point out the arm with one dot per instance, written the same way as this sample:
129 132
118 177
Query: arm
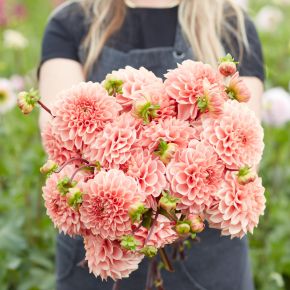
56 75
256 88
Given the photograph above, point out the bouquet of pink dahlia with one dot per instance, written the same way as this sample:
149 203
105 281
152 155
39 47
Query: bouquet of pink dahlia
137 163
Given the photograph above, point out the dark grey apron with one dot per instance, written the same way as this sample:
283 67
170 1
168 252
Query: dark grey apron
216 263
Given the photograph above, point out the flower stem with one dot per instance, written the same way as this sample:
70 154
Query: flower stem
165 260
79 169
70 161
116 285
149 278
45 108
230 169
152 228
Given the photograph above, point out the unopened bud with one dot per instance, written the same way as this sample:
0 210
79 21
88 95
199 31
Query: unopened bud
196 223
112 85
65 184
227 65
49 167
26 101
74 197
145 110
129 243
166 151
182 228
246 175
136 211
149 251
168 202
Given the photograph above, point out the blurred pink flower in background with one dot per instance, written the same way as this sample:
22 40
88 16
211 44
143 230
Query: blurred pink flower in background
17 82
276 107
269 18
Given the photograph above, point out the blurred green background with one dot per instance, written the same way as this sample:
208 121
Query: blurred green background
27 235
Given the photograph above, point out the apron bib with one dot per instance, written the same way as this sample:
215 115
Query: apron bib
216 263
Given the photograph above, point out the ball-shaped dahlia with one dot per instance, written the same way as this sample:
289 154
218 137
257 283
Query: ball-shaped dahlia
64 216
56 149
195 174
162 234
237 136
81 112
133 80
148 171
185 85
237 208
170 130
107 259
107 199
113 145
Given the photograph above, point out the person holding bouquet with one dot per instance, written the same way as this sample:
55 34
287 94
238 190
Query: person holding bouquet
85 40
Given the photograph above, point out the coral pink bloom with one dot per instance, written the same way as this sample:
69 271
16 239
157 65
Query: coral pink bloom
237 136
55 148
64 217
237 89
237 207
163 233
106 202
113 145
185 83
81 112
171 130
195 175
107 259
133 80
149 172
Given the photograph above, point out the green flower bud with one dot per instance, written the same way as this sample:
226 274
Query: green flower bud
129 243
74 197
182 228
149 251
168 202
65 184
246 175
26 101
49 167
113 86
136 211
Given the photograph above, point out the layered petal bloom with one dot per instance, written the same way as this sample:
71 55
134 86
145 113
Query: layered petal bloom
107 199
237 207
64 217
237 89
237 136
133 80
195 175
163 234
114 144
171 130
55 148
81 112
148 171
185 84
107 259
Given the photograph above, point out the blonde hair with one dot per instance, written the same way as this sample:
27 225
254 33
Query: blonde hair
204 24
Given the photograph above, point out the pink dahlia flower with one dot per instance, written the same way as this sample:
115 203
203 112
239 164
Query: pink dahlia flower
133 80
185 84
107 259
163 233
55 148
237 207
171 130
81 112
65 218
237 89
149 172
114 144
195 174
106 202
237 136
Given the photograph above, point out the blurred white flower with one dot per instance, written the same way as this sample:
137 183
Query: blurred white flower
276 107
282 2
13 39
243 3
7 96
269 18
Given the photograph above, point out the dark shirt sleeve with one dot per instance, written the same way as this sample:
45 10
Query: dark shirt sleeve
250 59
63 33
